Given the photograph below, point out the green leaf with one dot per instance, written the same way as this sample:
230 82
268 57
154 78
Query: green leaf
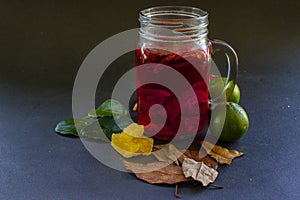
108 124
109 107
114 124
68 127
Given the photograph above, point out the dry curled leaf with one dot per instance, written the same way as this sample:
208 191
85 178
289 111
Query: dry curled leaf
199 171
195 155
157 172
221 154
174 151
158 146
169 154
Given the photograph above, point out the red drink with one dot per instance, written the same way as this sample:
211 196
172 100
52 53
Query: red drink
151 94
165 32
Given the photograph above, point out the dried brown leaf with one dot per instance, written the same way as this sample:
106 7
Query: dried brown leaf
173 153
199 171
195 155
170 154
221 154
158 146
165 156
157 172
162 155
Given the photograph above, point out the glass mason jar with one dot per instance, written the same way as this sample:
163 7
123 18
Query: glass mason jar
174 38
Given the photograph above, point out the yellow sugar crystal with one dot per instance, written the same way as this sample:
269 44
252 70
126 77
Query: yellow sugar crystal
129 146
134 130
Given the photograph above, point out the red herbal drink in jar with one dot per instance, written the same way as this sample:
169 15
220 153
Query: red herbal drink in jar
173 37
151 94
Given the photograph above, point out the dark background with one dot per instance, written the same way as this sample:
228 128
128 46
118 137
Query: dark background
43 43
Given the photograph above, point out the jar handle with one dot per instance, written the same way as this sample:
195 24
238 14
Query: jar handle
232 65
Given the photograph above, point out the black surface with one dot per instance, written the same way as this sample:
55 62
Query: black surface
42 45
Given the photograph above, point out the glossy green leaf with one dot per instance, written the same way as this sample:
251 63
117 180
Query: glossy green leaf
114 124
105 127
68 127
109 107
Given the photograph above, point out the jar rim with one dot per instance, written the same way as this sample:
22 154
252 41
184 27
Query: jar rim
191 13
173 23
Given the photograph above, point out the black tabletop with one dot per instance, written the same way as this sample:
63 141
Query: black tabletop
43 45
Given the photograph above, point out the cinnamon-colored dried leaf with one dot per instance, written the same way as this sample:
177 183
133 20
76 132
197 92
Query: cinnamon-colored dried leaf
158 146
195 155
199 171
161 155
172 153
157 172
221 154
169 154
175 152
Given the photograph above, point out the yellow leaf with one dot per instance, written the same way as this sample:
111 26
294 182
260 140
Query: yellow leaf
221 154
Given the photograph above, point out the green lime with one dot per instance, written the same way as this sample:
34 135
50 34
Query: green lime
232 90
228 88
236 122
216 87
233 94
236 95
